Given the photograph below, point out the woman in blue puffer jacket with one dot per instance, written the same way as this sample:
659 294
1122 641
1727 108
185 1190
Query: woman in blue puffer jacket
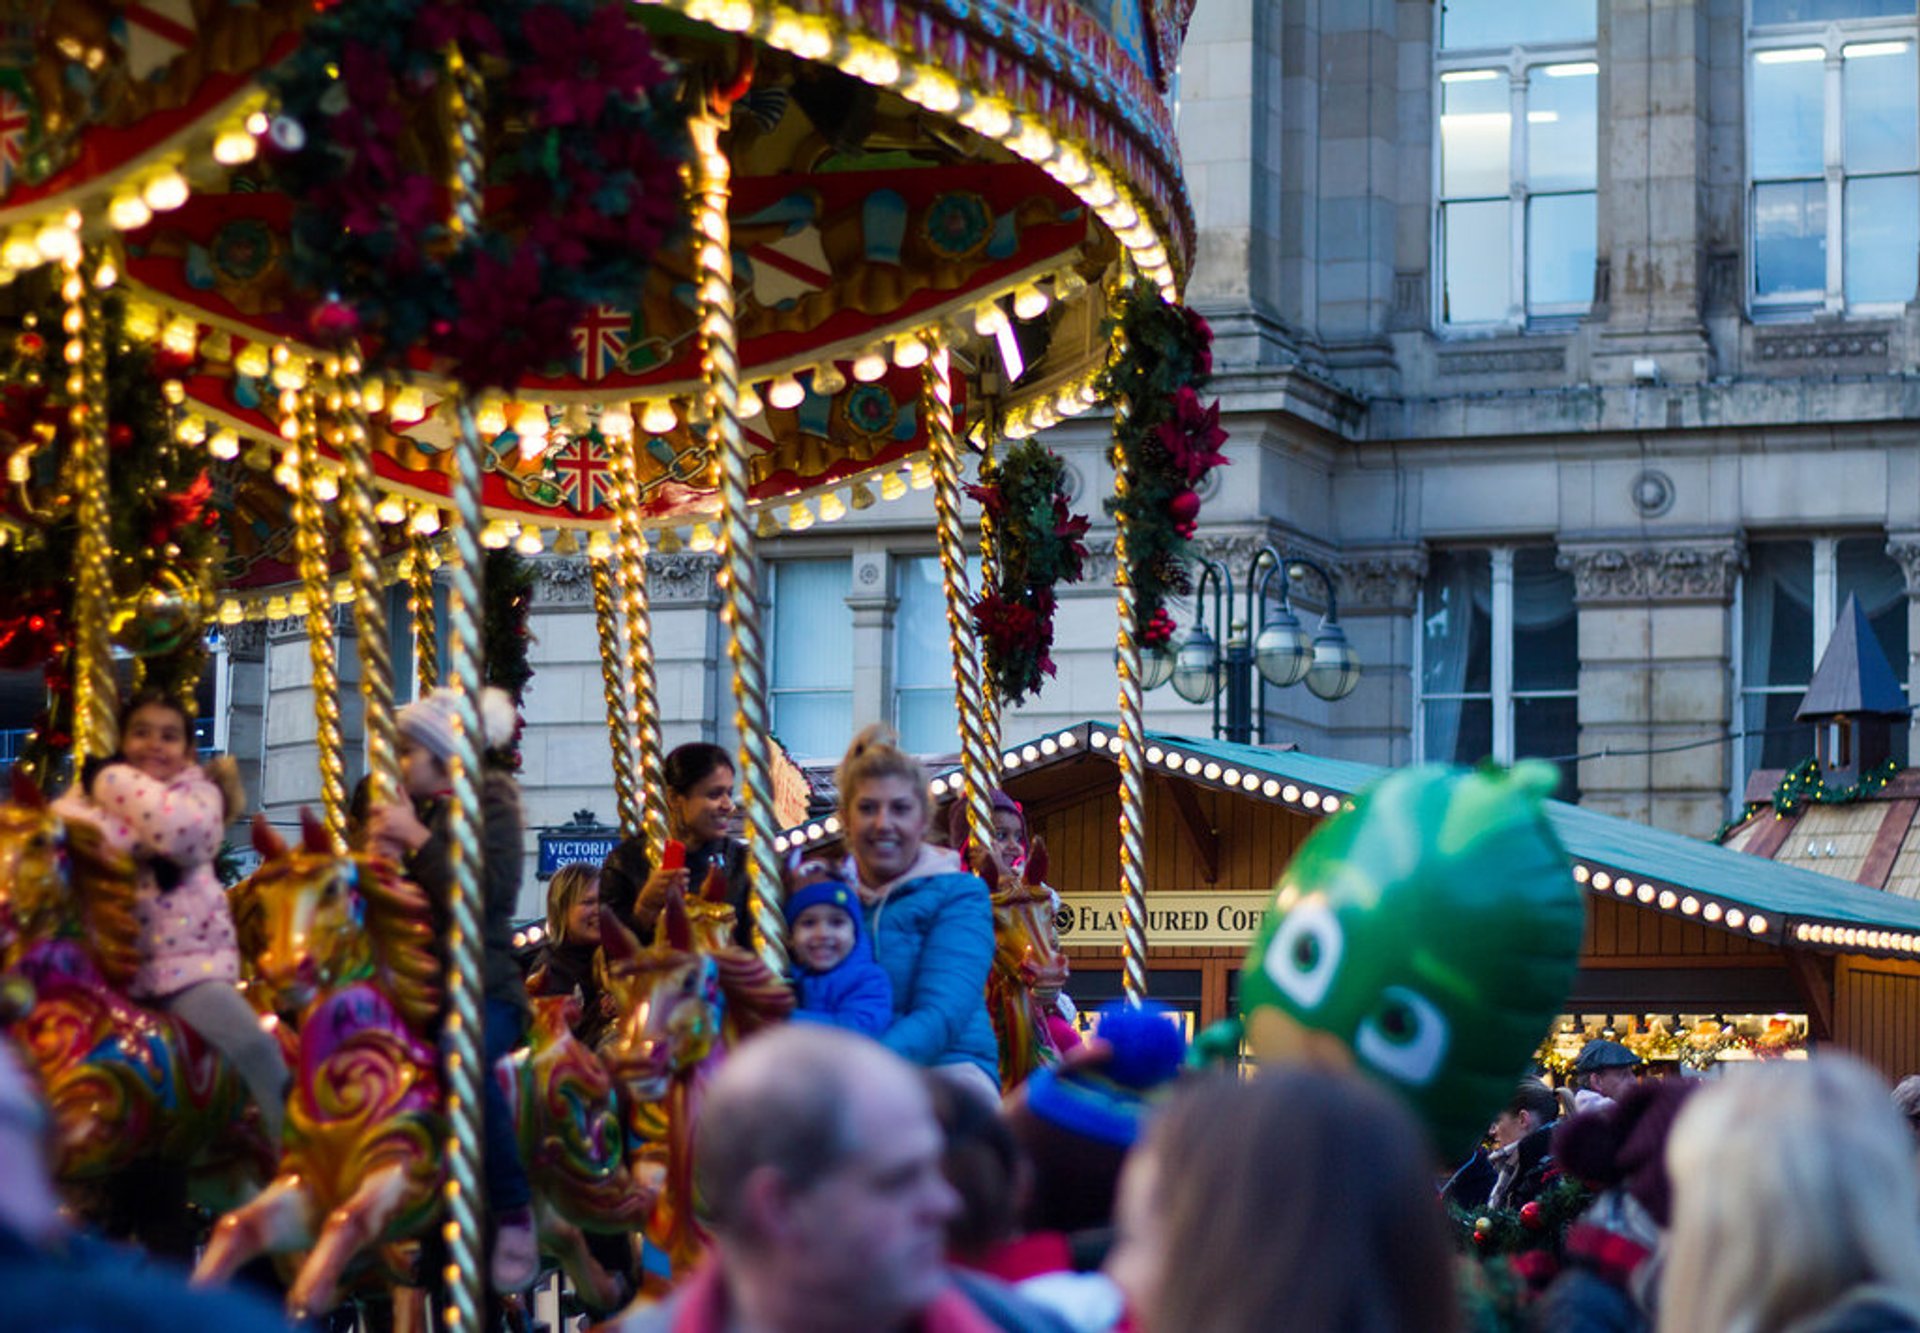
931 923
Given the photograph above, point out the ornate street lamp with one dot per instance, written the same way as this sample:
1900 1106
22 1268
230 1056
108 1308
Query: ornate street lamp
1281 652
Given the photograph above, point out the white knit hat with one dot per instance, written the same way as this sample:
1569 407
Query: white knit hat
429 721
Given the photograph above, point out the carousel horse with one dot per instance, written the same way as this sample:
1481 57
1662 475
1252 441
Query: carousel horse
703 994
344 950
1028 968
134 1093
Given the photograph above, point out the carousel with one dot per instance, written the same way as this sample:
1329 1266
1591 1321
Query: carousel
310 302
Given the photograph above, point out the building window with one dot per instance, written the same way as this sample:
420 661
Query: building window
1790 597
1499 659
1834 154
924 709
811 633
1518 161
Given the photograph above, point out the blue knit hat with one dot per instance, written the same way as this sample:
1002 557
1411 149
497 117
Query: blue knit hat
1108 1100
833 892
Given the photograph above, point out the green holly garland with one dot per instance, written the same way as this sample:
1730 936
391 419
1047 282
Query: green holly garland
1166 441
1539 1224
507 598
1037 539
1803 783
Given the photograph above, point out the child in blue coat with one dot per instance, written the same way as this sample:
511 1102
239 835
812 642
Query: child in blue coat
835 977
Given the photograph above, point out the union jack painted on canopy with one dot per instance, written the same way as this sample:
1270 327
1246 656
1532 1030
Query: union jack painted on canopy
600 341
584 475
16 126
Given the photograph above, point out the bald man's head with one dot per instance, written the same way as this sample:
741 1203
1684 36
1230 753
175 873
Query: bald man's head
786 1100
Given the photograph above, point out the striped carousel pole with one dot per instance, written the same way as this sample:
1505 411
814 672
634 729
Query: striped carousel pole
990 702
420 612
465 1274
94 725
713 266
1128 746
613 688
352 442
642 720
299 425
943 448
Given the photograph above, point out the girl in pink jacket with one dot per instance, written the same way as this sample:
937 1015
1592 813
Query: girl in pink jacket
154 801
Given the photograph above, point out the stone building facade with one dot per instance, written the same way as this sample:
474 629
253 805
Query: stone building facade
1577 339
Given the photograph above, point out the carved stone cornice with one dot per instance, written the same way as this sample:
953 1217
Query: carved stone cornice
1688 572
245 641
1904 547
684 578
1382 581
562 581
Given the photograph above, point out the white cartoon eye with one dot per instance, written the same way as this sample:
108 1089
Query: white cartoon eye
1404 1038
1305 953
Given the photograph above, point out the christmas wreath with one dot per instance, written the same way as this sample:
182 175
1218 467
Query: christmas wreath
1804 783
1038 541
1164 439
582 142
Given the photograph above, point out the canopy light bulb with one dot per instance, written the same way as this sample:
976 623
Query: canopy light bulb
748 406
616 422
799 517
225 445
128 211
861 496
190 430
988 320
786 393
1029 302
658 417
252 361
870 365
181 336
491 419
57 241
892 486
832 507
373 395
277 607
922 475
768 525
530 419
495 536
407 406
390 510
230 613
530 542
234 148
19 251
599 546
425 522
827 379
165 192
326 487
702 539
909 351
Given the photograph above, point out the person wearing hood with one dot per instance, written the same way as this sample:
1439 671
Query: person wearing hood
835 979
930 923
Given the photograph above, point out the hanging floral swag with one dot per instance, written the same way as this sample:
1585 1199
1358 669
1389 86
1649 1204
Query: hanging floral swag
1168 443
1038 541
582 142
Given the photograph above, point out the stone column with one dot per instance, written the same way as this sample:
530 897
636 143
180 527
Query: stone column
290 752
1654 79
1655 643
873 604
1905 548
247 703
689 649
1379 590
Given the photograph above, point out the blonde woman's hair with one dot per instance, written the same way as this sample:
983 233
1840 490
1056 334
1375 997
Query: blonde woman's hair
563 891
876 753
1793 1183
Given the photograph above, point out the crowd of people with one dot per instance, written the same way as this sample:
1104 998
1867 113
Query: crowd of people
860 1171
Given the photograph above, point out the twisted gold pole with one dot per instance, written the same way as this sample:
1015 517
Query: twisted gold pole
642 730
94 725
990 701
713 264
613 687
426 629
464 1034
943 449
349 435
1127 747
298 424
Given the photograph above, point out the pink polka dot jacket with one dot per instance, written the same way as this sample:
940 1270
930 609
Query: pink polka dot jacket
186 934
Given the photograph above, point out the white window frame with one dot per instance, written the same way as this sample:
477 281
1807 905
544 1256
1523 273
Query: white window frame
771 612
1515 62
1832 36
1500 692
896 562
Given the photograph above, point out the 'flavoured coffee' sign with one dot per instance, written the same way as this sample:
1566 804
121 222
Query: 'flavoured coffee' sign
1191 920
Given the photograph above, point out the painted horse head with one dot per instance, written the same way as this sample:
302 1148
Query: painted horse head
61 880
311 920
669 997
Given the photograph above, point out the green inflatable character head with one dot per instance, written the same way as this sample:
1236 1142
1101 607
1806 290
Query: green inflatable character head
1428 936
